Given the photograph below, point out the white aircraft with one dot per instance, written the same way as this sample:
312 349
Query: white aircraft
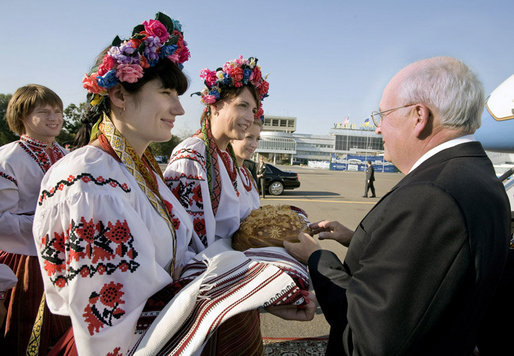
497 130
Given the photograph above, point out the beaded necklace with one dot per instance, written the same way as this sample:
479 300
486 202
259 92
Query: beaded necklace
247 179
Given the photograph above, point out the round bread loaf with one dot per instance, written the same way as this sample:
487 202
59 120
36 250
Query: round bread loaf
270 225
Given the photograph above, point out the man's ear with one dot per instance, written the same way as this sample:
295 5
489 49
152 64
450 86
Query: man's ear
423 124
117 97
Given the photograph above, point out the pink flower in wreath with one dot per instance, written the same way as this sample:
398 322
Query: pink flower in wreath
156 28
208 76
129 73
209 99
174 58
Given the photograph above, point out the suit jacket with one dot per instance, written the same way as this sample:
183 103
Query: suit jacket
370 174
422 264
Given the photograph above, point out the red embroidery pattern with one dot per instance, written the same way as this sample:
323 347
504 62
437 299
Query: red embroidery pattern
8 177
175 221
36 150
199 226
115 352
104 307
107 247
188 191
187 153
84 177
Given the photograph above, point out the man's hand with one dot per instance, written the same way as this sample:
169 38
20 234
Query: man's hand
303 249
293 312
332 230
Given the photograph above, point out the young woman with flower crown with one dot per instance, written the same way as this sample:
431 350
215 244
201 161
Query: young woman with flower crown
35 113
202 172
203 175
110 234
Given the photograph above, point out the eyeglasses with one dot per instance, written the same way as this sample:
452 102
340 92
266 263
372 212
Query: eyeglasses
378 116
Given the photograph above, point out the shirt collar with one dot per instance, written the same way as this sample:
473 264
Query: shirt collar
34 142
441 147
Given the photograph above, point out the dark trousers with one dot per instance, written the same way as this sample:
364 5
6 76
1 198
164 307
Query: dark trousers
262 188
369 185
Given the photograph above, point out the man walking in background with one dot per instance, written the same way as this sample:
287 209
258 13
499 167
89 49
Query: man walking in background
370 178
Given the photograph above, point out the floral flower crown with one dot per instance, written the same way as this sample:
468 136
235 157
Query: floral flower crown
234 74
125 61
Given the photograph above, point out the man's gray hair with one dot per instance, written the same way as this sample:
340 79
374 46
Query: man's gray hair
449 87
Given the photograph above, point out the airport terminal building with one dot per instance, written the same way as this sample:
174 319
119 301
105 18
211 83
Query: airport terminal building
345 142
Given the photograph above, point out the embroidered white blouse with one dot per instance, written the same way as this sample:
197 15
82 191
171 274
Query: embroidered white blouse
249 199
103 248
186 176
22 166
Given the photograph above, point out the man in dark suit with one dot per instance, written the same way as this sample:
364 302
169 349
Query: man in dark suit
423 264
370 178
261 179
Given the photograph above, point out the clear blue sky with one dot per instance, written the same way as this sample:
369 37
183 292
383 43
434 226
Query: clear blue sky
325 59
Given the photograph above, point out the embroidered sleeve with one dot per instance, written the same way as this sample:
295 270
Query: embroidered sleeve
185 175
98 263
16 224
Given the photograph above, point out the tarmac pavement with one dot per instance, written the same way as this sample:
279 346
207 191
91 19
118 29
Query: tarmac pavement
330 195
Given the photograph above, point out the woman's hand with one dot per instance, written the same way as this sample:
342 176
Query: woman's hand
293 312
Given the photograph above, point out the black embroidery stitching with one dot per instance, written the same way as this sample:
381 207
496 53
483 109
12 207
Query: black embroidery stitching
8 177
50 193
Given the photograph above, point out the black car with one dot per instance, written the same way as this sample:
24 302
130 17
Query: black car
277 180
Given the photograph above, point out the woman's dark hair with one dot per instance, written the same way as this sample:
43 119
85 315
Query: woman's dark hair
233 92
170 74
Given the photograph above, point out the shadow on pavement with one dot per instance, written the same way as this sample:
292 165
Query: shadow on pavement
303 193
